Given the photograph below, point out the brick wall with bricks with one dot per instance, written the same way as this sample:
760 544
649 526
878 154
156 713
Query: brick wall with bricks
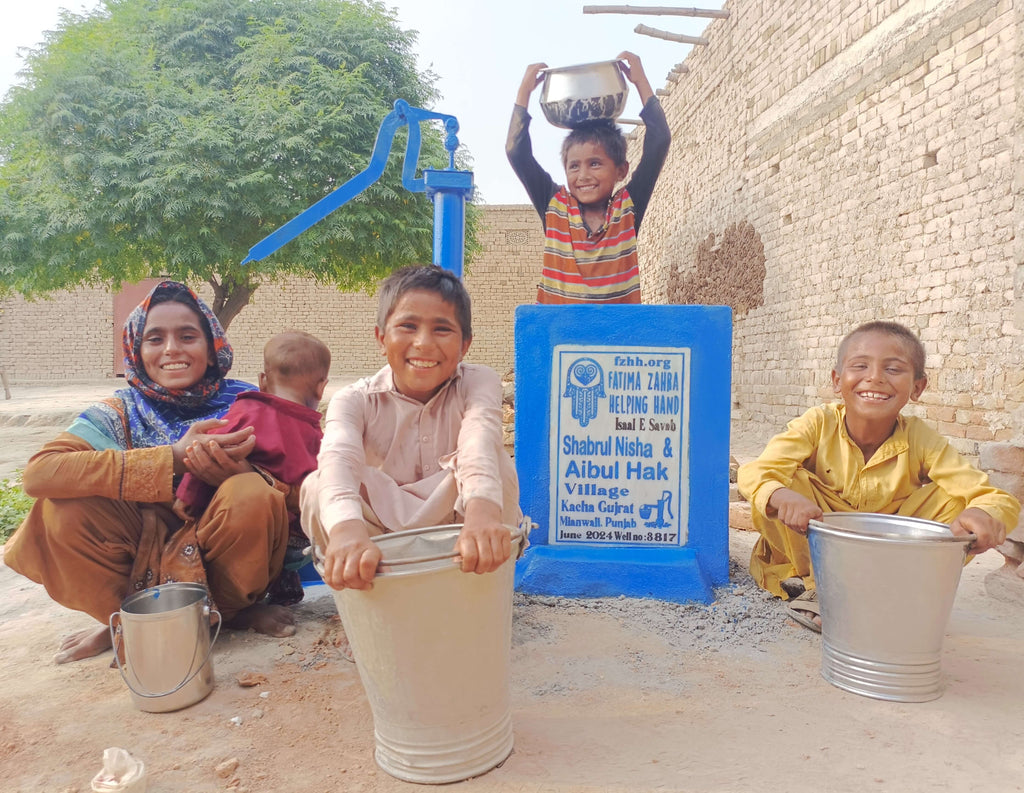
837 162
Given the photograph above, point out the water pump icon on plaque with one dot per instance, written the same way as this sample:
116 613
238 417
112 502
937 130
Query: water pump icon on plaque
620 455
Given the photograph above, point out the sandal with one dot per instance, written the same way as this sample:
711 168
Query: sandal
804 608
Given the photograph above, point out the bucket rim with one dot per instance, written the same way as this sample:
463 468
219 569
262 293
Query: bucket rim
824 527
135 597
395 536
405 566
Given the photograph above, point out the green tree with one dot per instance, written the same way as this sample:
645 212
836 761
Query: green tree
166 137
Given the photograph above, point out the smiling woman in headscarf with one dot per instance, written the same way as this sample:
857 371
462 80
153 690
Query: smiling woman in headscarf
102 525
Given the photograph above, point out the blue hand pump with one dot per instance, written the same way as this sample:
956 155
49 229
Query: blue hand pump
447 188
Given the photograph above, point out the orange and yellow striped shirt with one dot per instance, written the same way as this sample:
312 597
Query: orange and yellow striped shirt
580 267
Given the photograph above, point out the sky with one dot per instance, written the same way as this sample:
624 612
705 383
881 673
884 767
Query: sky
479 49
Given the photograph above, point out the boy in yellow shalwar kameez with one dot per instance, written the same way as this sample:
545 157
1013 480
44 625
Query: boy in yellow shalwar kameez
862 455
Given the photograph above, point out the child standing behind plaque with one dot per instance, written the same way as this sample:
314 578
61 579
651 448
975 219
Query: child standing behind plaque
417 444
590 227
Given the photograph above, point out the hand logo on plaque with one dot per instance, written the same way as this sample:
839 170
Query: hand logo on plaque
584 385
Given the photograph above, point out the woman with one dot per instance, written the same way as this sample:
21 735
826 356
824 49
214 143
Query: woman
102 525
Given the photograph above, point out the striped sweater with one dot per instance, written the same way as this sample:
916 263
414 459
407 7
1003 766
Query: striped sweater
584 268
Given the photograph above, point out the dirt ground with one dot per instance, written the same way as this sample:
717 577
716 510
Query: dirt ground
607 695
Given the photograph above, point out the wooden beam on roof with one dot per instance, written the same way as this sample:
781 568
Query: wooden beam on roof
709 13
678 69
643 30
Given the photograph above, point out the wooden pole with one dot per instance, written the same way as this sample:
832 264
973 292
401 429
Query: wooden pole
708 13
643 30
7 386
677 70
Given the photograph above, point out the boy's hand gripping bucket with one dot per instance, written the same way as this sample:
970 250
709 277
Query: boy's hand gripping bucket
432 647
165 631
886 585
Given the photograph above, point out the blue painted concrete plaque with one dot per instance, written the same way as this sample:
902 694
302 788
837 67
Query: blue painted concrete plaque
622 449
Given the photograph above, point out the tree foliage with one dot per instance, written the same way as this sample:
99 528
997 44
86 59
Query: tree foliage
166 137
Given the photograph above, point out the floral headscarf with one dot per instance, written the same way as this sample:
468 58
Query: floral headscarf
148 414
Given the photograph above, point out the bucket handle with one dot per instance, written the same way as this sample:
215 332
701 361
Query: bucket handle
115 633
517 533
318 560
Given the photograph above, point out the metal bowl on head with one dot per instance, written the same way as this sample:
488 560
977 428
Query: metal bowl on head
573 95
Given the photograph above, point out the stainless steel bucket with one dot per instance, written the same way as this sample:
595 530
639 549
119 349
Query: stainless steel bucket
572 95
432 645
165 634
886 585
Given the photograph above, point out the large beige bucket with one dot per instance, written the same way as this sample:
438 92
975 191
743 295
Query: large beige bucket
886 585
432 647
165 634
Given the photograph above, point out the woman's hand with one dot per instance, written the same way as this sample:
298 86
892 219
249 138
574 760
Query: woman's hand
534 76
351 557
634 72
794 510
989 531
238 444
484 543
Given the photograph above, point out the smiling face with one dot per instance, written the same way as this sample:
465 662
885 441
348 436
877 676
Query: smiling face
175 351
590 174
876 378
423 342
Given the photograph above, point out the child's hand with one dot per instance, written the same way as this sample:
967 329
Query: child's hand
179 509
634 72
794 510
484 543
531 80
989 531
351 557
215 462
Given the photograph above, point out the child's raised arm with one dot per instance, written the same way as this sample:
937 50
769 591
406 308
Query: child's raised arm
634 72
534 76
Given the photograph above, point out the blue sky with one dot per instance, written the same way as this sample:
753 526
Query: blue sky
479 49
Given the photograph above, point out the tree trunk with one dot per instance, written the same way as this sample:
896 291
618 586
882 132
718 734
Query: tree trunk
230 297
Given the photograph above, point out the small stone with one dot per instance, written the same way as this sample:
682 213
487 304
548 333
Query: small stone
227 768
236 720
250 679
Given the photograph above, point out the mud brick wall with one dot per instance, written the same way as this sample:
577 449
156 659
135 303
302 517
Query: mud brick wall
70 335
835 162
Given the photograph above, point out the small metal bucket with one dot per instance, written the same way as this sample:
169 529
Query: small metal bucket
165 632
886 585
432 645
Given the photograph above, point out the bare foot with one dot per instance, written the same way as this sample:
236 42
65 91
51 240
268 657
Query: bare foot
83 644
265 618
